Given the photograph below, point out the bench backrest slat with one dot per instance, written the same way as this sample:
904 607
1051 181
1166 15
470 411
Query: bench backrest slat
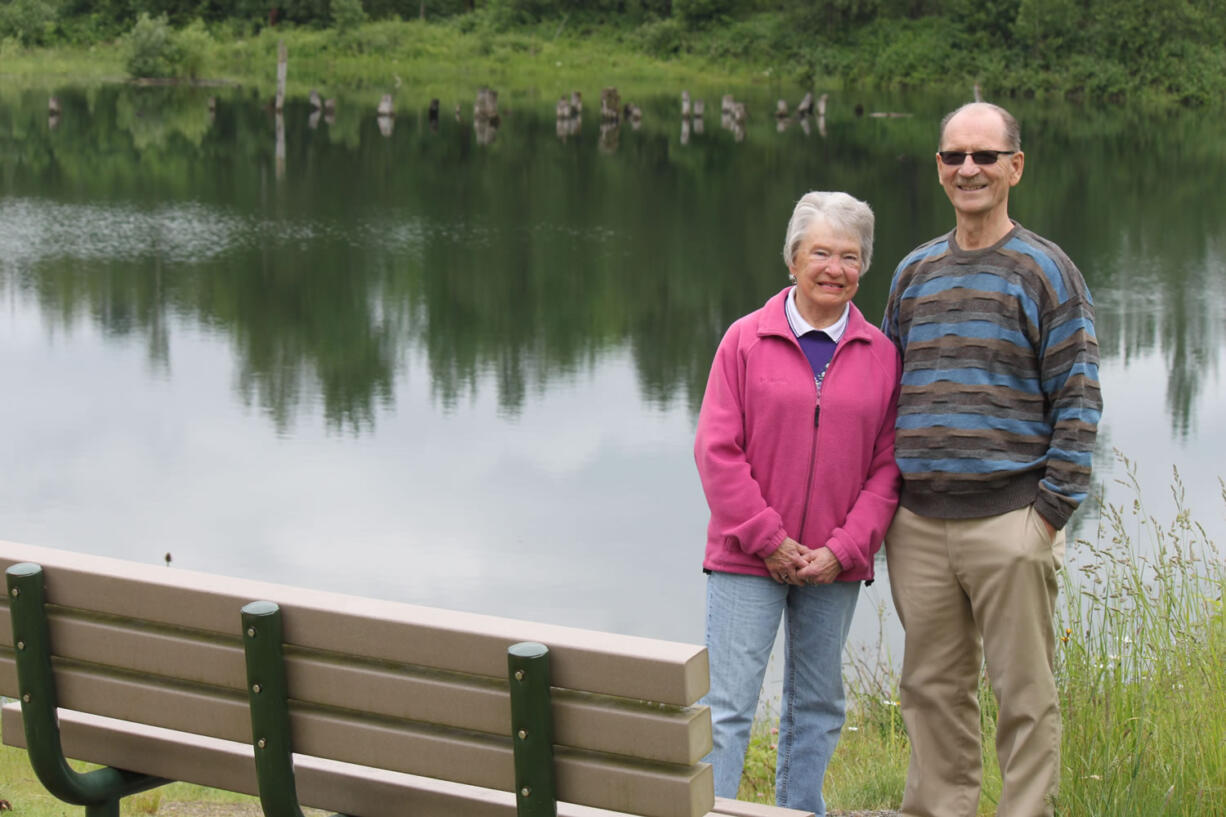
667 734
626 666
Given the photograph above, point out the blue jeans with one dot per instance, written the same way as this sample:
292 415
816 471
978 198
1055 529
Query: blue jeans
742 620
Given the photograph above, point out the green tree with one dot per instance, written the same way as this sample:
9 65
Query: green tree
28 21
150 48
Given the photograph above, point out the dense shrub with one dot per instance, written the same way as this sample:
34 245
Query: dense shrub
150 49
27 21
192 45
662 38
347 14
701 12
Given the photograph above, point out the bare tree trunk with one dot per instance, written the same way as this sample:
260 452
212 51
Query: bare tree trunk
423 9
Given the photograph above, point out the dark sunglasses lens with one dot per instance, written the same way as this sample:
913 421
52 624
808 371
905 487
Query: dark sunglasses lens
979 157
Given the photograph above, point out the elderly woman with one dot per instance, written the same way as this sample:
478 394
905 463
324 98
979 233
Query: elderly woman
795 448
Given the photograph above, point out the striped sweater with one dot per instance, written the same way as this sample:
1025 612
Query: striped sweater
1000 401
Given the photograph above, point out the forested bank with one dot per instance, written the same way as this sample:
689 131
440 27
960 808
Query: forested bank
1099 50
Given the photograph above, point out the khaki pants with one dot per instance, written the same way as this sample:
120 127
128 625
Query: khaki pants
965 590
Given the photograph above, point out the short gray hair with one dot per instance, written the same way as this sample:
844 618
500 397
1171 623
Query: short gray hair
1013 131
844 213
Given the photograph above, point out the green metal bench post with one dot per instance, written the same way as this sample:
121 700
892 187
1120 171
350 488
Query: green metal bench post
268 694
532 729
99 790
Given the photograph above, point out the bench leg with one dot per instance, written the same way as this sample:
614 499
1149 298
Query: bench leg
532 730
100 790
268 695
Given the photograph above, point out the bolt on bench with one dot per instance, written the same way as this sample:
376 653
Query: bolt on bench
353 705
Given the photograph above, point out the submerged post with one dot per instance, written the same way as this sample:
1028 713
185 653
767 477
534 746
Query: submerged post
282 70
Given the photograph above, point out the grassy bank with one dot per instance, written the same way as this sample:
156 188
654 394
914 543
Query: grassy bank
1127 54
414 61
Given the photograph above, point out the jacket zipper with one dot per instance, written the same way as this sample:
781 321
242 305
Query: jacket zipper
817 413
817 416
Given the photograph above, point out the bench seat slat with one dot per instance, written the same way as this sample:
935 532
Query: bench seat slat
625 666
321 783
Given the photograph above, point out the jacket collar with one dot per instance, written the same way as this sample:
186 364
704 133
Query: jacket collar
774 320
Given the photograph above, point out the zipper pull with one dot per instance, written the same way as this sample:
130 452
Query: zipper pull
817 414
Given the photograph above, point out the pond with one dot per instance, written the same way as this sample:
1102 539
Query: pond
462 368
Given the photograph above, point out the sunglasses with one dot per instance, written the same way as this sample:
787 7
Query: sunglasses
979 157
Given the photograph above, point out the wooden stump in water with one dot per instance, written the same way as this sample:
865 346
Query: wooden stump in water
486 106
805 108
685 104
699 108
610 105
386 108
725 104
576 102
610 135
314 99
486 130
781 109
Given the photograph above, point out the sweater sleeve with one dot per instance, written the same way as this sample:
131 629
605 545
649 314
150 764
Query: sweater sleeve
857 540
739 511
1068 365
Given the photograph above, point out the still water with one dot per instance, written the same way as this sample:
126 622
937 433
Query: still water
425 364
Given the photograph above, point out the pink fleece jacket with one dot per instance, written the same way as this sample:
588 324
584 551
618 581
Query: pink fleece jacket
769 472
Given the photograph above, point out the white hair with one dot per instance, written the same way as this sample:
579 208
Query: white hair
840 211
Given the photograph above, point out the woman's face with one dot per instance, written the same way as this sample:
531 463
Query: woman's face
827 271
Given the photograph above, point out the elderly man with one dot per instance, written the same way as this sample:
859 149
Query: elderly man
997 417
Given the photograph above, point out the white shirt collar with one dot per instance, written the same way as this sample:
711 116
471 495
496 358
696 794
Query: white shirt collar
800 326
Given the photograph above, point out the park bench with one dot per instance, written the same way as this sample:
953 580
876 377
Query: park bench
352 705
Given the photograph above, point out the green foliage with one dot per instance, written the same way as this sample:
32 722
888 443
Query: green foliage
28 21
150 49
661 38
987 23
504 14
696 13
347 14
830 19
192 46
1048 28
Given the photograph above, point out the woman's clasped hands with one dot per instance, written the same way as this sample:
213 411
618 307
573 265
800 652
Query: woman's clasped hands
793 563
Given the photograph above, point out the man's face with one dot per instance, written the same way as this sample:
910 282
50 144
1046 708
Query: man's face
980 191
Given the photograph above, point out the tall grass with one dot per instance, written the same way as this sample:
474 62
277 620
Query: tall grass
1141 669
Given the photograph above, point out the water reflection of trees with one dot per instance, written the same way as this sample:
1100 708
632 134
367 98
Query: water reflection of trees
526 260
